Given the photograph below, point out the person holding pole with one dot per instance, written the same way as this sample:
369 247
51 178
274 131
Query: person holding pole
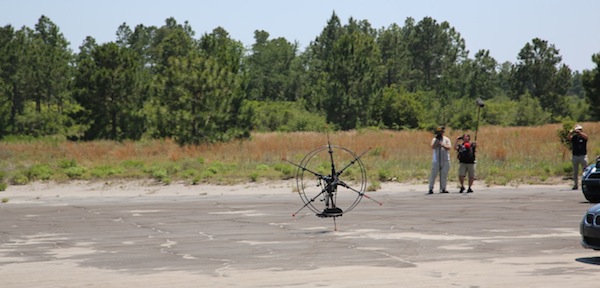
440 165
466 155
466 159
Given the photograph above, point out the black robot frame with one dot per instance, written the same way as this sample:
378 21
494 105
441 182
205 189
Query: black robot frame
319 179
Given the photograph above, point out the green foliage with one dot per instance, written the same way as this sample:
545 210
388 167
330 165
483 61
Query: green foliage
540 74
40 172
3 184
132 164
530 112
563 134
591 84
161 82
384 175
159 173
67 163
253 177
108 86
105 171
51 140
396 109
285 169
271 64
499 111
284 117
19 179
76 172
374 186
567 168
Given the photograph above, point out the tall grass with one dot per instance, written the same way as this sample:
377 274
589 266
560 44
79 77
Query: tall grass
510 155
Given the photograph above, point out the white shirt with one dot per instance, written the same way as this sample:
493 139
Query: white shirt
445 153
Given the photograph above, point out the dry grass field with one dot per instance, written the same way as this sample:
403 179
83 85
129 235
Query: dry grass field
506 156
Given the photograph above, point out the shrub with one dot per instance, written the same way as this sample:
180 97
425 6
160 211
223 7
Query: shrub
19 179
286 170
374 186
41 172
384 174
105 171
67 163
76 172
160 174
253 177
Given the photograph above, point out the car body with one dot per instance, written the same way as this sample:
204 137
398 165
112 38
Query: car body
590 228
590 182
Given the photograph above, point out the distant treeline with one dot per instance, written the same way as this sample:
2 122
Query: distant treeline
164 82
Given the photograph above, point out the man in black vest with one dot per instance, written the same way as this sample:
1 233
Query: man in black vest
466 158
579 147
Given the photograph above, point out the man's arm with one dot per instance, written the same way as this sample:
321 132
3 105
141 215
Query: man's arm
447 144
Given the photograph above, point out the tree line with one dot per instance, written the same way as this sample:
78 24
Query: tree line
163 82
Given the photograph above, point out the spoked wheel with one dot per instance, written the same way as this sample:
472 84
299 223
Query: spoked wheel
331 180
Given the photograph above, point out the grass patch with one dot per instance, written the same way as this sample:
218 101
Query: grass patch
506 156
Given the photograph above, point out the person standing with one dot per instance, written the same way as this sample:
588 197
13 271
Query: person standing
579 148
466 159
440 164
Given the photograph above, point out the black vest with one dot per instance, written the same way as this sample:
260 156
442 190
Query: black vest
579 145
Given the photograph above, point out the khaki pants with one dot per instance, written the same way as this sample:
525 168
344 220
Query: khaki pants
578 160
435 170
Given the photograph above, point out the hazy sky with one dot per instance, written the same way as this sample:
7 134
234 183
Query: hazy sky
501 26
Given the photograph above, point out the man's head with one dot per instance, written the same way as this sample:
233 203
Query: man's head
578 128
439 132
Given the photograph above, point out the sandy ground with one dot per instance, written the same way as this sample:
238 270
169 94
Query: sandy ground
136 234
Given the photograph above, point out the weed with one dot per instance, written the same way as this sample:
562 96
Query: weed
19 179
105 171
67 163
504 155
374 186
40 172
76 172
253 177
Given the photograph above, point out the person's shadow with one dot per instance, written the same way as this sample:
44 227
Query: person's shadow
589 260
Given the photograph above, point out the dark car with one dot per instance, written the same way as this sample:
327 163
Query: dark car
590 182
590 228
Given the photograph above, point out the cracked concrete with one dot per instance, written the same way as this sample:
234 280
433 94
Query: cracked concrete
135 234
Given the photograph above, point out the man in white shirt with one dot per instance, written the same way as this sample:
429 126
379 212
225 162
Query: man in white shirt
440 145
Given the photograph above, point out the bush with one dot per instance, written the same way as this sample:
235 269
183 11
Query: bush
286 170
19 179
41 172
67 163
105 171
76 172
284 117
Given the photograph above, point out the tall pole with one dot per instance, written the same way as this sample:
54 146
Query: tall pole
480 104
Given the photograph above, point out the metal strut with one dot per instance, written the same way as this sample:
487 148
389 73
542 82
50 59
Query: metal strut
336 201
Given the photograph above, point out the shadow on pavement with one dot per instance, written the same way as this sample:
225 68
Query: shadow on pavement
589 260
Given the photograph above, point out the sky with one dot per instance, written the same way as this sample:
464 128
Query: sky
503 27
